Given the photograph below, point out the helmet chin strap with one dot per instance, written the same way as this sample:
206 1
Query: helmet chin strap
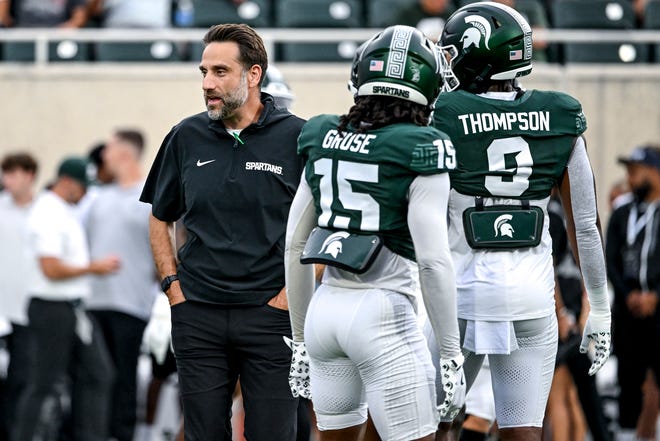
479 83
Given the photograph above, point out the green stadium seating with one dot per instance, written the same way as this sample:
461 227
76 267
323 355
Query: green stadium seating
598 14
383 13
65 50
137 52
256 13
320 52
652 21
319 14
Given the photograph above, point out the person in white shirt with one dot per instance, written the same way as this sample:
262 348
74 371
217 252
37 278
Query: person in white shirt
61 333
18 176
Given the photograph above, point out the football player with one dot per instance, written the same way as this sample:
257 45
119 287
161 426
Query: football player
372 200
512 147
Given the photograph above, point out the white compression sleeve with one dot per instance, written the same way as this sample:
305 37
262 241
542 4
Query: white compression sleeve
589 242
299 277
427 220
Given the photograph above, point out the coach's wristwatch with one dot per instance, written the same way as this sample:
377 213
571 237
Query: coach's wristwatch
167 282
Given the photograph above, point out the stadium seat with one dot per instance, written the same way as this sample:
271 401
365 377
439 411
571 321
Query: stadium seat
652 21
383 13
652 15
598 14
65 50
319 52
256 13
136 52
319 14
593 14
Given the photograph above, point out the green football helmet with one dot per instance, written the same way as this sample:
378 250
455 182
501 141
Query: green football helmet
275 85
399 62
482 42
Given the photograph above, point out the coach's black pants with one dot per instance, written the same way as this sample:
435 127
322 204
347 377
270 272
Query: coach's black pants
123 337
216 345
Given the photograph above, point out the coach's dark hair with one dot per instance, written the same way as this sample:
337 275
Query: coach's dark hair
250 45
23 161
372 111
133 137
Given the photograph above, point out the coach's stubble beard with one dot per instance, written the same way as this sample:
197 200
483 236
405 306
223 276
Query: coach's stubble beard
231 101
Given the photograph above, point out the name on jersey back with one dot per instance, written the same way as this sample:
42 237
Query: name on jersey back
353 142
487 122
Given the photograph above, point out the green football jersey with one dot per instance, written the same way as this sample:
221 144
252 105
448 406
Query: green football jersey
515 149
360 181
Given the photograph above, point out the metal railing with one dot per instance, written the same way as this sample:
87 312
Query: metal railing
41 37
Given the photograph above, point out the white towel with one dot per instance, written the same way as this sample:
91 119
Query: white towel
483 337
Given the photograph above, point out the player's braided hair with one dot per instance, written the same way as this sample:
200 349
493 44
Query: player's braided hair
371 112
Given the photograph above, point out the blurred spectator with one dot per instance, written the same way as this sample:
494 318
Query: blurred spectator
43 13
6 19
639 6
64 340
18 178
566 414
103 174
132 13
429 16
633 264
619 195
537 17
118 224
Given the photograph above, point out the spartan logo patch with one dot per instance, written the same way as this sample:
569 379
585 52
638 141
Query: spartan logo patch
503 227
472 35
333 244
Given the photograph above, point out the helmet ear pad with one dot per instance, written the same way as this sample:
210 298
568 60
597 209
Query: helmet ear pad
399 62
491 42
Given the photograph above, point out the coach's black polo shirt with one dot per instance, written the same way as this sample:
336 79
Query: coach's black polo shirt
234 199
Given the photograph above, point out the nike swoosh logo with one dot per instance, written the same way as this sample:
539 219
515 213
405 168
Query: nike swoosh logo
200 163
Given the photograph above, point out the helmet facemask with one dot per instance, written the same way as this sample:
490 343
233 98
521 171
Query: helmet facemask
446 56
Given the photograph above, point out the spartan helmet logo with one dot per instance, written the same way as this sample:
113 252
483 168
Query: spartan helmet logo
333 244
472 35
503 227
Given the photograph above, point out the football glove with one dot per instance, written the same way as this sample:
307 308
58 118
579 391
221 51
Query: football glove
453 384
597 330
157 335
299 372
